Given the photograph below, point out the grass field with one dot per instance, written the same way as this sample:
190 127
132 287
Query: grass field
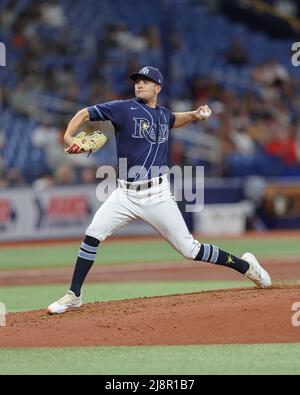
136 252
229 359
273 359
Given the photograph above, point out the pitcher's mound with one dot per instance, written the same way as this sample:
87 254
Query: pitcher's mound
245 315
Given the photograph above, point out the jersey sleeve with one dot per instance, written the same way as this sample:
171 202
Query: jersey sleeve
172 120
110 111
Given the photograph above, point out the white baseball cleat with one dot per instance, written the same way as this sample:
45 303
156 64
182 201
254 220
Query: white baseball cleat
255 272
68 302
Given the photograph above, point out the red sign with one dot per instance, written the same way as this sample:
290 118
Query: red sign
67 206
5 211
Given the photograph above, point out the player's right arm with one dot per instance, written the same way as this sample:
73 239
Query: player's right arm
74 126
110 111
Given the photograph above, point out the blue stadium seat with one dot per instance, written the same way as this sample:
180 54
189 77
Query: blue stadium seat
204 38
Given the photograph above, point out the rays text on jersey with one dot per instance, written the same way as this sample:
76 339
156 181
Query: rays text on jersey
143 129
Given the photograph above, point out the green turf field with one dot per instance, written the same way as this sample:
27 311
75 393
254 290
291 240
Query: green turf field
232 359
136 252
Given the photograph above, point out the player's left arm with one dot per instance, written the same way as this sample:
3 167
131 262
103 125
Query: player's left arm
184 118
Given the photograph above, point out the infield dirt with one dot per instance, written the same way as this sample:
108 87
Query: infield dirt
247 315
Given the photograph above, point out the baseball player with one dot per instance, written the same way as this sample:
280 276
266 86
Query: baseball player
142 130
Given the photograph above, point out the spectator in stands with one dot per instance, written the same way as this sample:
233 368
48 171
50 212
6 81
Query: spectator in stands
283 145
270 72
2 139
65 174
100 92
65 75
3 181
88 176
37 67
257 131
203 88
10 177
152 38
14 177
18 37
107 40
47 137
52 14
8 16
31 17
237 54
19 100
242 141
118 36
128 41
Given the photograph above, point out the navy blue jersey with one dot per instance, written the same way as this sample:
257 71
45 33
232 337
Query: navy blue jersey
142 133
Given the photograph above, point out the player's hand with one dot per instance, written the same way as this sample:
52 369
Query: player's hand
203 113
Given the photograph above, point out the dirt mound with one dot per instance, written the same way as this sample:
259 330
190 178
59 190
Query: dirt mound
245 315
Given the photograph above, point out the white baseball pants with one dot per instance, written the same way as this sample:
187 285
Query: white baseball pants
155 205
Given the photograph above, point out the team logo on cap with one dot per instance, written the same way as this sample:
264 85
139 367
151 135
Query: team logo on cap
145 70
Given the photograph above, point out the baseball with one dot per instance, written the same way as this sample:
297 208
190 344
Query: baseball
205 112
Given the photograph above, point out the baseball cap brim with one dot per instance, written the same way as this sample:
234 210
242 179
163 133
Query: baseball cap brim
134 76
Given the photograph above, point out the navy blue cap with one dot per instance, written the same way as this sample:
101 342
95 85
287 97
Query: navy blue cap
149 72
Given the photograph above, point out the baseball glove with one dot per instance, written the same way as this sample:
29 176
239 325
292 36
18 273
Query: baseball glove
87 142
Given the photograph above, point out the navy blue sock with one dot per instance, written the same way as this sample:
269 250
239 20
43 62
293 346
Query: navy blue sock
213 254
85 260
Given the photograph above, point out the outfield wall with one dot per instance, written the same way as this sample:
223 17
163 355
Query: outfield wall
61 212
65 212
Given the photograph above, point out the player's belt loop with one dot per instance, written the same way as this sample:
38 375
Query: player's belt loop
147 185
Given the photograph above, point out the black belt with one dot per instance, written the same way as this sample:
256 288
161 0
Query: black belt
139 187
